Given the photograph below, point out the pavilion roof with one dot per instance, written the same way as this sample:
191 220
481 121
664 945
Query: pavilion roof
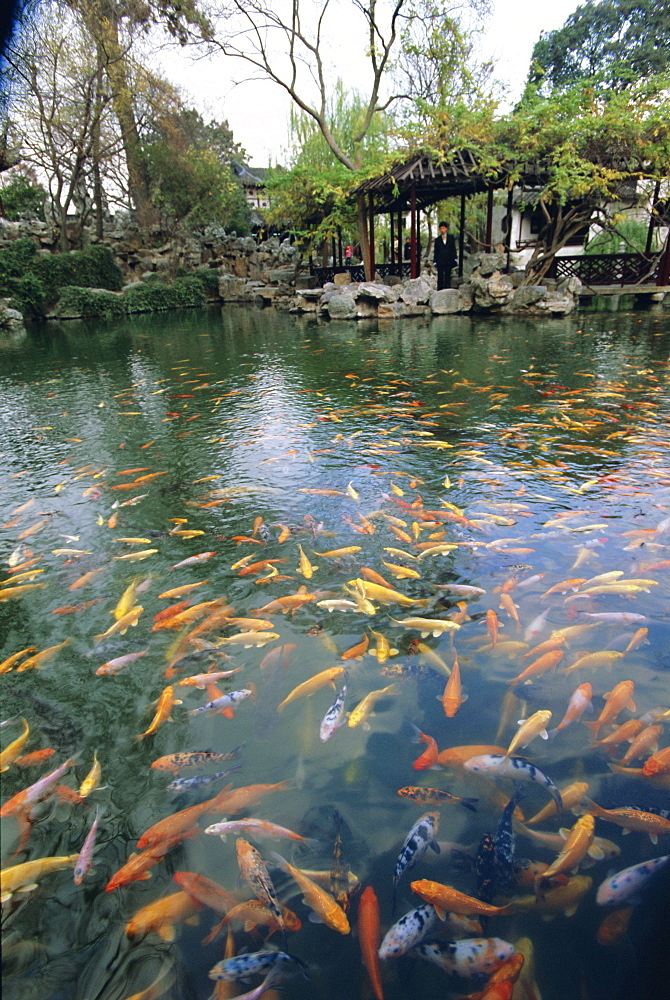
460 172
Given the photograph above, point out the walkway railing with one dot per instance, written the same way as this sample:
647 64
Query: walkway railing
608 268
357 271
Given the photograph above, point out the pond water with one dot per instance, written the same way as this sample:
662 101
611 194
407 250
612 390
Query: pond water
515 457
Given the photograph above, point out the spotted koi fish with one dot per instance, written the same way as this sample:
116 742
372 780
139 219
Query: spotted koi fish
418 840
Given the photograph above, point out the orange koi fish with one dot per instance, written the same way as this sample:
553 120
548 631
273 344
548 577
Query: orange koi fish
318 899
429 755
445 899
657 764
620 697
457 756
369 938
36 661
493 626
644 742
547 661
631 819
166 702
358 651
578 842
28 797
254 872
162 915
452 697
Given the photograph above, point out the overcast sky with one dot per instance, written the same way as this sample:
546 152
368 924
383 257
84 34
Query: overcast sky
258 111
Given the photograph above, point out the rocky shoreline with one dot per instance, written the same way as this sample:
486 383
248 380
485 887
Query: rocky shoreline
272 273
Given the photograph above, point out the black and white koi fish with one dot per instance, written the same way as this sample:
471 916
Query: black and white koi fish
471 957
241 966
200 781
499 766
408 932
334 717
418 840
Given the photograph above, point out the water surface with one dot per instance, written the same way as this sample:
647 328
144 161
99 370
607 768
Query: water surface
542 451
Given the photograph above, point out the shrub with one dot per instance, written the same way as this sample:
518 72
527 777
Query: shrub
75 301
20 198
94 267
209 280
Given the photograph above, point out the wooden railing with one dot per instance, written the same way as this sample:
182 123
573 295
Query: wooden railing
357 271
608 268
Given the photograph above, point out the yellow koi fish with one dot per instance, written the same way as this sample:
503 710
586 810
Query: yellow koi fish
315 683
363 710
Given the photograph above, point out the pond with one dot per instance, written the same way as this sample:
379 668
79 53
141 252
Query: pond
244 490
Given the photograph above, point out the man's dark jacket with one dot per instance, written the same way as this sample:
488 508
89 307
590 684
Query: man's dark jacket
444 252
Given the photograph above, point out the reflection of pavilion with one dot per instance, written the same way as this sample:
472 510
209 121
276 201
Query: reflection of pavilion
424 180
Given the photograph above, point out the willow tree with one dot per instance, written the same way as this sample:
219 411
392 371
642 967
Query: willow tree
289 43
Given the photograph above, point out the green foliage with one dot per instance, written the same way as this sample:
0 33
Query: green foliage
154 296
631 233
94 267
34 280
23 198
611 43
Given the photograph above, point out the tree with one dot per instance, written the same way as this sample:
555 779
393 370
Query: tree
611 43
189 162
588 149
287 42
60 114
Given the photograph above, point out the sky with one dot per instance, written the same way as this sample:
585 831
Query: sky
258 111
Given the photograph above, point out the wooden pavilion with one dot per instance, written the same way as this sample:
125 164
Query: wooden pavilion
425 179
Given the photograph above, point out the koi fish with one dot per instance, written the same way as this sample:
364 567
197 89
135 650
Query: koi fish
162 915
166 702
385 595
258 828
37 660
28 797
201 681
547 661
318 899
9 663
429 755
242 966
363 710
254 872
534 726
620 697
11 752
119 663
408 932
580 702
427 626
92 779
469 957
453 696
578 843
201 781
625 887
631 819
313 684
436 797
225 704
194 560
334 717
121 626
446 899
249 639
561 899
369 936
518 768
176 762
85 858
422 836
23 878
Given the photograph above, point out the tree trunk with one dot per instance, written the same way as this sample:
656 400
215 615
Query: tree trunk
104 28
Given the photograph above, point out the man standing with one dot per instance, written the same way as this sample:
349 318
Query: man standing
444 256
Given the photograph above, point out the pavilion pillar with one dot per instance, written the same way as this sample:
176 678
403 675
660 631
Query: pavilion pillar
461 237
650 231
371 209
339 246
392 238
664 265
508 226
489 221
401 246
412 209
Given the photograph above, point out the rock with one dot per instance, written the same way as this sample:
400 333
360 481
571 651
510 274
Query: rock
557 304
447 300
300 303
342 306
11 320
230 288
372 290
366 308
390 310
489 263
570 286
527 295
241 267
416 291
466 296
491 293
278 275
342 278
